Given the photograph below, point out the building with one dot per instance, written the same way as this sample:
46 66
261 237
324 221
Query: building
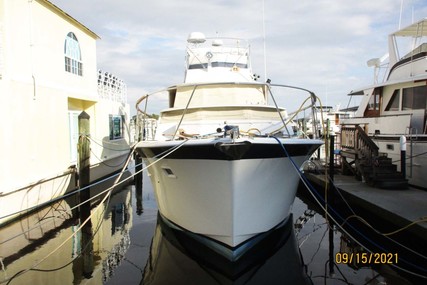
48 76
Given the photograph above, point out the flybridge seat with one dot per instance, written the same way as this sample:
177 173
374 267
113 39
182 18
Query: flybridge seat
217 59
218 64
217 56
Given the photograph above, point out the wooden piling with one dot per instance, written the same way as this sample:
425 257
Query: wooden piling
84 196
84 150
138 184
331 199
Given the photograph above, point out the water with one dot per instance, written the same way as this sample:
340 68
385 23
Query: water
131 246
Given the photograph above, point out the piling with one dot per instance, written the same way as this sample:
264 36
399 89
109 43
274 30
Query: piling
403 156
331 203
84 151
84 196
138 184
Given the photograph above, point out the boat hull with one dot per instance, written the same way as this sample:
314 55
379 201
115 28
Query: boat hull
20 202
227 192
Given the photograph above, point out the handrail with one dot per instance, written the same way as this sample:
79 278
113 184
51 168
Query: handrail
355 141
195 86
184 112
363 138
312 96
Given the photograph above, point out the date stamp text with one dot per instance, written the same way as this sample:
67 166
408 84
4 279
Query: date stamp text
366 258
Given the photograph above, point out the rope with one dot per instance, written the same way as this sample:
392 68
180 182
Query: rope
78 229
161 155
386 235
109 190
98 143
409 156
424 219
312 190
106 164
72 192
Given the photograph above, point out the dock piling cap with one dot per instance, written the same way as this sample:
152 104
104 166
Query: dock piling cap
402 143
196 38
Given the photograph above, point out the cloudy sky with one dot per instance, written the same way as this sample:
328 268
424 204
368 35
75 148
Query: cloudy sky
321 45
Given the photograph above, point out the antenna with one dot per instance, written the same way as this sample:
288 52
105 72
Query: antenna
263 32
400 16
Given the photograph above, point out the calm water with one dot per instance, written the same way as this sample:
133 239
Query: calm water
131 246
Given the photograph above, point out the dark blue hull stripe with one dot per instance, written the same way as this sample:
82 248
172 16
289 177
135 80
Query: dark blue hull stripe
222 151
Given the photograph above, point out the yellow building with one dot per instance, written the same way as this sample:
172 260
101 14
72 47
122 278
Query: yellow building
48 76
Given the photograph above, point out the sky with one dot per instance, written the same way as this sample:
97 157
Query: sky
320 45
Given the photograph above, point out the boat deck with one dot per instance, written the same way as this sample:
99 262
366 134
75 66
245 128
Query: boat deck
402 207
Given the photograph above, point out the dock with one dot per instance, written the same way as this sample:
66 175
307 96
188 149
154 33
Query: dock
401 207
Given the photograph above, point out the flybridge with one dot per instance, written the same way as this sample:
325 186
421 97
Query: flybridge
398 65
217 59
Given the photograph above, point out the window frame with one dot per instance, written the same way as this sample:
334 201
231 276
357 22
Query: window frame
112 120
72 54
395 99
414 98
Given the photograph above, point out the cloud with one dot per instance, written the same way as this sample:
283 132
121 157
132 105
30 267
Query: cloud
322 45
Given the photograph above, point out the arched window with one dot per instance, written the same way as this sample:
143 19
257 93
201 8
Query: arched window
73 57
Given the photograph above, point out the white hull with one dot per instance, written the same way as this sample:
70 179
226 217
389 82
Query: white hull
227 200
225 175
21 201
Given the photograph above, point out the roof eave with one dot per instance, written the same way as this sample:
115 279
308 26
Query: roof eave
68 17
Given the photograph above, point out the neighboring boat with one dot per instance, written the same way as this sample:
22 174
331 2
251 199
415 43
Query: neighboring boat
328 116
323 119
228 176
396 108
46 80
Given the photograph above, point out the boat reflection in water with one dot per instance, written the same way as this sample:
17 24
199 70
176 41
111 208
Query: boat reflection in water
177 258
46 248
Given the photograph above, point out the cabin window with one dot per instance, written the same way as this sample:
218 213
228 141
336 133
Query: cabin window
116 127
414 98
374 101
73 58
393 104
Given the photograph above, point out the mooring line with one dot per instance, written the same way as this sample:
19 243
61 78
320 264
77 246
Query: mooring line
116 183
307 183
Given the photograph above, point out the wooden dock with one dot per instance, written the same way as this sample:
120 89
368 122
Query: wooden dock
401 207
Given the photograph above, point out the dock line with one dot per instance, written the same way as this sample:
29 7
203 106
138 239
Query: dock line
423 219
161 155
79 228
312 190
109 190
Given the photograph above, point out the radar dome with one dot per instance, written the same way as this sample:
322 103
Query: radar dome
196 38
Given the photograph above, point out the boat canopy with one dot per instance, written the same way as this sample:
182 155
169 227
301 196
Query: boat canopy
419 28
398 70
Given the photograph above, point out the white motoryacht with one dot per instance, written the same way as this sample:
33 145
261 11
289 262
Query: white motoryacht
222 161
393 112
